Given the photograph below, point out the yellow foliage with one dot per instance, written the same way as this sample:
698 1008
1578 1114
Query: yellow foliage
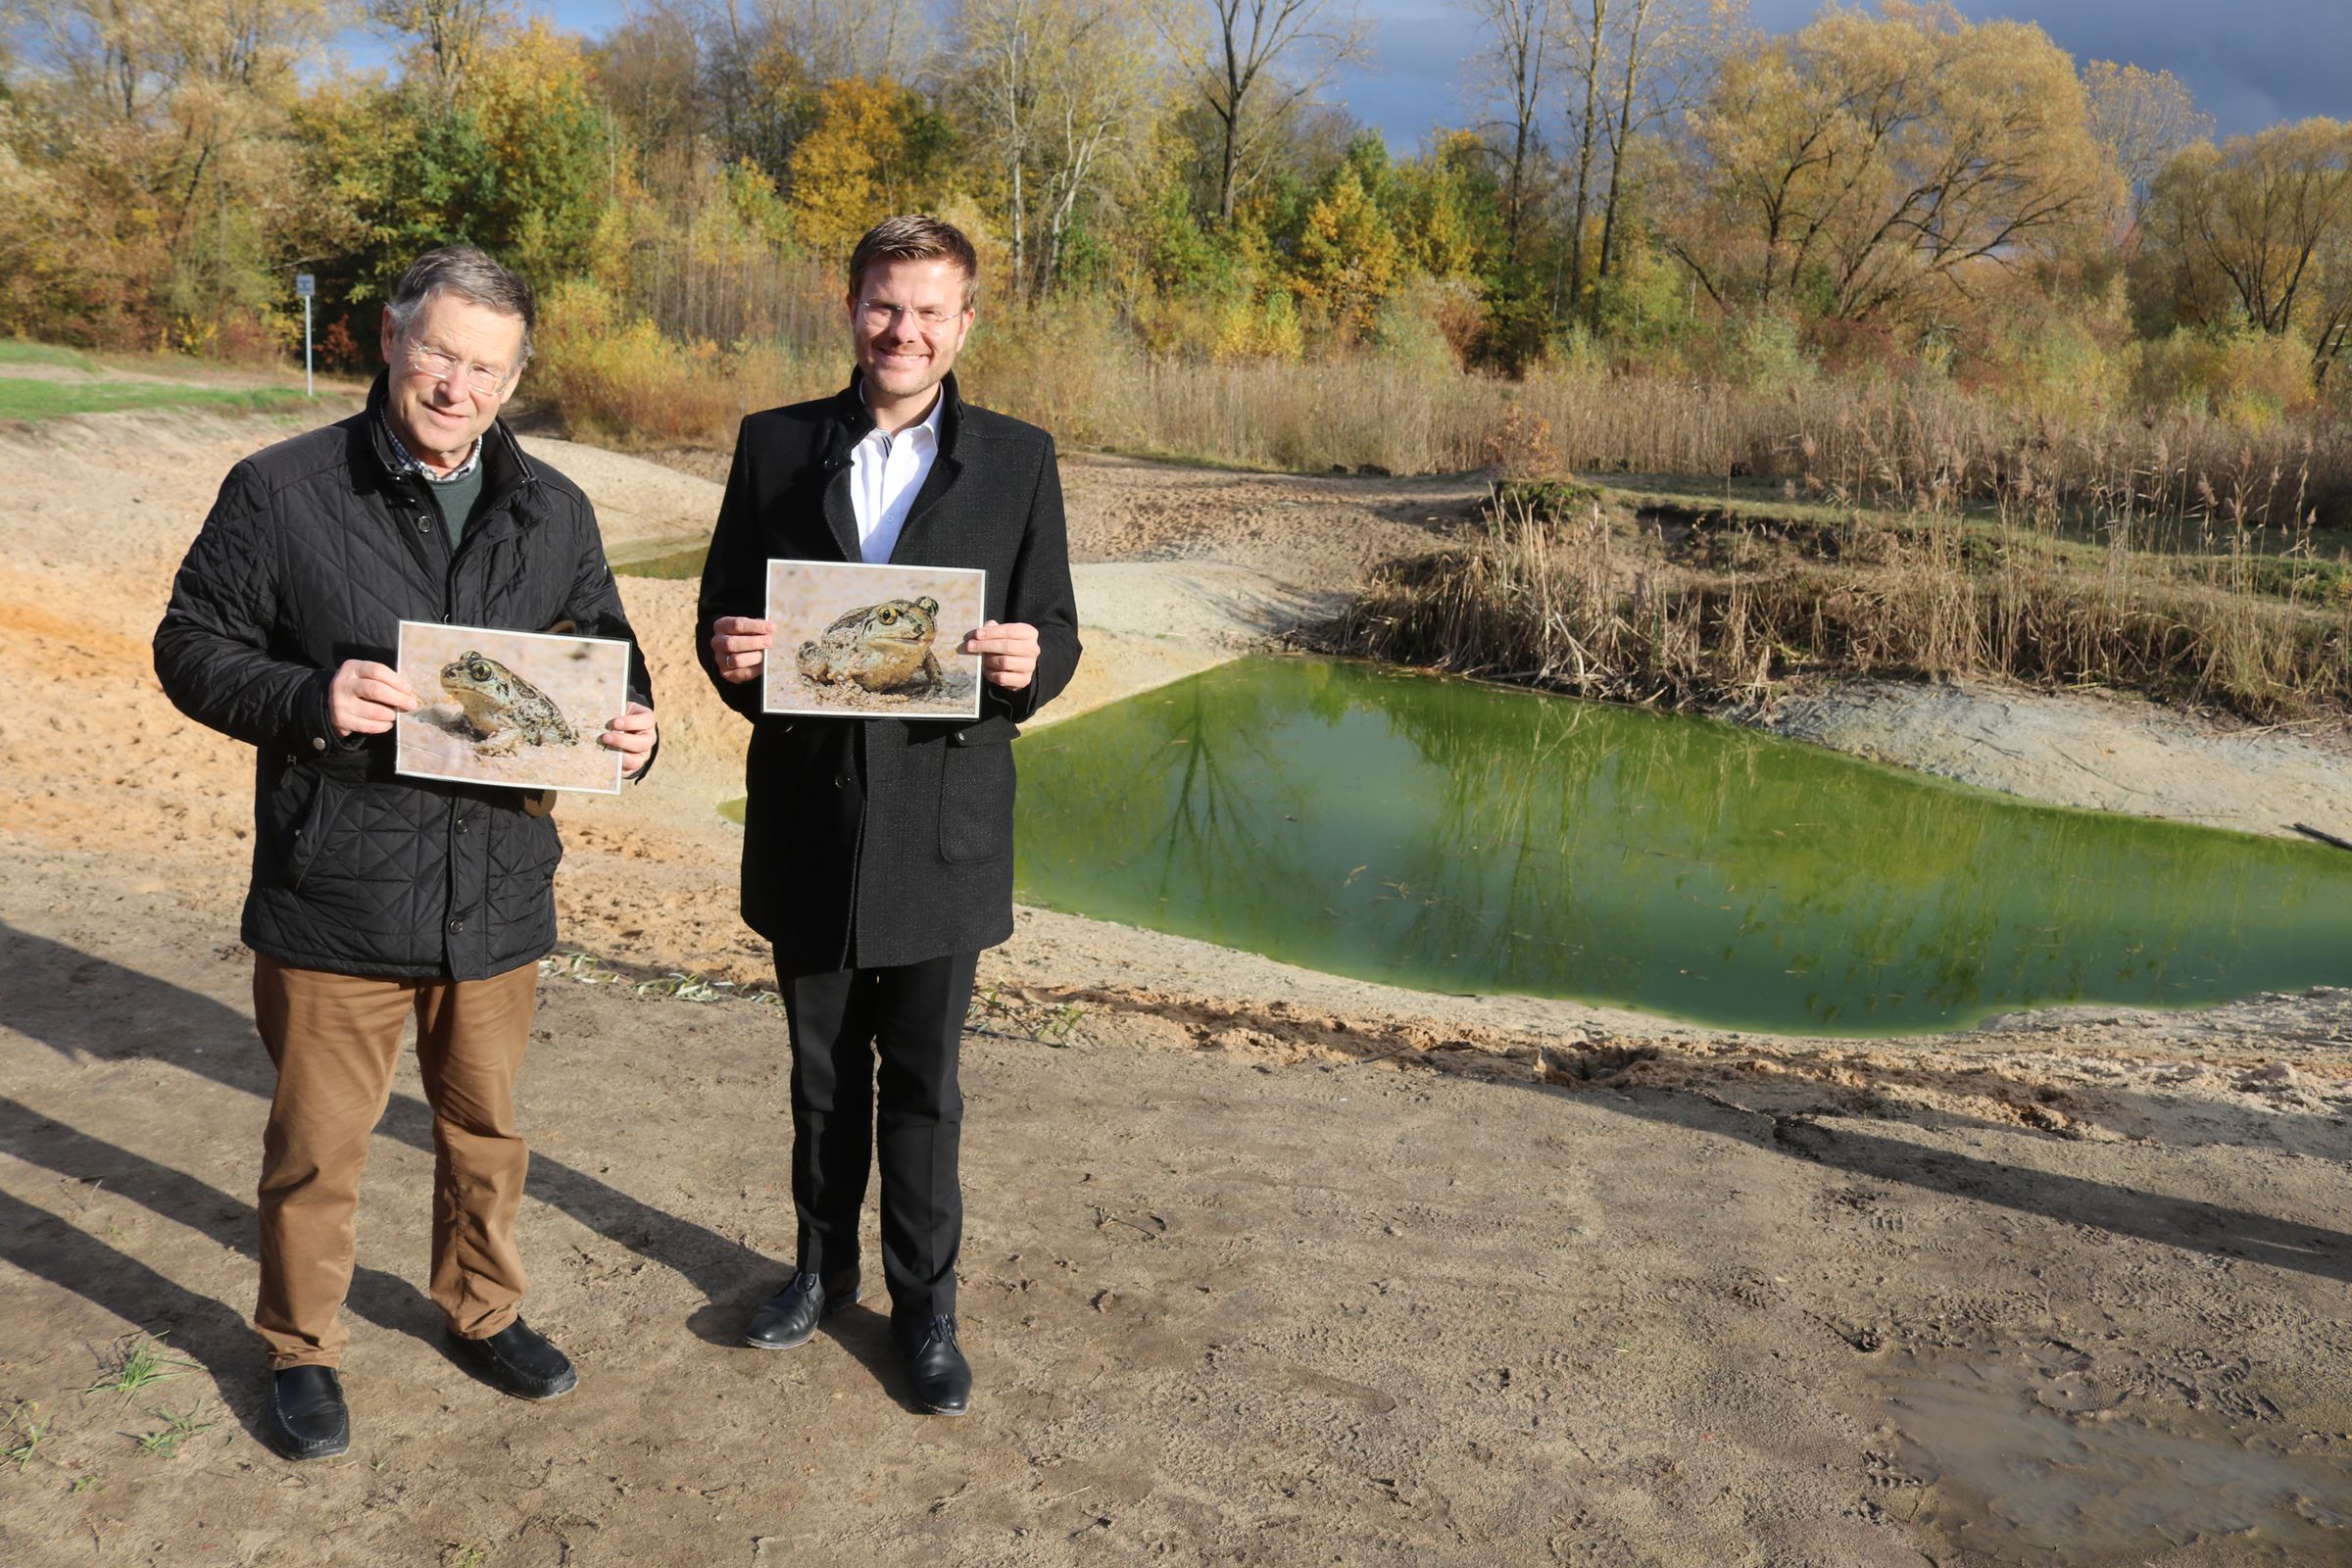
1350 259
840 171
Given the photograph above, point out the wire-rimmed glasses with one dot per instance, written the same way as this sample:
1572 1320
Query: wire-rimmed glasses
485 380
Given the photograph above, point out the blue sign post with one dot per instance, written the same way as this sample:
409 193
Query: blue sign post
305 286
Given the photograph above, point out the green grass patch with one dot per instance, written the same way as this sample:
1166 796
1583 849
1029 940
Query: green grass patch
52 400
16 351
135 1362
177 1428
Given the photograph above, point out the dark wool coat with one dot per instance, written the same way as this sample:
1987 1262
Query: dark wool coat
316 551
873 842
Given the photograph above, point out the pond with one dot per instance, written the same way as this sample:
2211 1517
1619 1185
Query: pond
669 559
1450 836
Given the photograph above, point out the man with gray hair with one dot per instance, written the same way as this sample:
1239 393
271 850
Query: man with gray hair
374 896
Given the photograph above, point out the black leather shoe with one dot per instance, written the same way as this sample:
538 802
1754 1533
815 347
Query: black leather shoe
941 1378
791 1317
519 1360
307 1416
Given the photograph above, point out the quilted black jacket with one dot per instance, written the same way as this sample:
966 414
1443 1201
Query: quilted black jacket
314 552
873 842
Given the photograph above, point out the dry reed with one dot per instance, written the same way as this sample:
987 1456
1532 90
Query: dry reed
694 347
1560 591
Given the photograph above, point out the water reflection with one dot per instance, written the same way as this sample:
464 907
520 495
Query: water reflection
1455 837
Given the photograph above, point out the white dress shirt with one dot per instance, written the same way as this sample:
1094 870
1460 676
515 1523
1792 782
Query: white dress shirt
886 475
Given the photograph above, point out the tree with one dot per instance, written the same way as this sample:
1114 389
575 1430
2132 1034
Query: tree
2142 118
1059 89
445 39
1514 69
1667 51
1873 168
163 129
1350 260
862 161
1253 62
2259 228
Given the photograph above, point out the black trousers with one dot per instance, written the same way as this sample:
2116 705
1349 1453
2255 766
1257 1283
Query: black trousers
908 1021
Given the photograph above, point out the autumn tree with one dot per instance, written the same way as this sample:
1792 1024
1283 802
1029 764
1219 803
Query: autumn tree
2257 231
1350 260
1515 67
1869 168
649 70
866 158
1059 89
1252 62
158 130
441 40
2143 119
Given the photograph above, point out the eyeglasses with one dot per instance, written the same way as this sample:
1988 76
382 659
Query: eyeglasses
877 315
485 379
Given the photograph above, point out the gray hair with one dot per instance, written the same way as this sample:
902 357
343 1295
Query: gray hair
471 274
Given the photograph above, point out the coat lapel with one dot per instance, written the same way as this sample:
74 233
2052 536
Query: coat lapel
841 514
851 423
945 469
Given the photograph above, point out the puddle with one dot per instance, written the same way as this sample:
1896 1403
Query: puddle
2022 1465
1450 836
674 559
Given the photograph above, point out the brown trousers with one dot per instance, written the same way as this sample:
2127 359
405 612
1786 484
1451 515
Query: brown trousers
336 1039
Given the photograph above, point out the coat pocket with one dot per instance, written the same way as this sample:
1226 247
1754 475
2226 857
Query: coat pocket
975 802
317 824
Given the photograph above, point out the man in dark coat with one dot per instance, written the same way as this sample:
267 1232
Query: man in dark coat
373 894
877 853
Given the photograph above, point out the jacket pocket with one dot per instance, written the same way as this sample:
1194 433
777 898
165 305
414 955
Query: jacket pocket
314 828
975 801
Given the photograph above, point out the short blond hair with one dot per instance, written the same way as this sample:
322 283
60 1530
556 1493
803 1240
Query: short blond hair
916 237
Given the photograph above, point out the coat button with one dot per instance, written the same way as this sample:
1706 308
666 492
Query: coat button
461 825
458 923
840 781
318 743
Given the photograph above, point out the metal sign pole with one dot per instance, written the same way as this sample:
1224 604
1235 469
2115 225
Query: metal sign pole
305 284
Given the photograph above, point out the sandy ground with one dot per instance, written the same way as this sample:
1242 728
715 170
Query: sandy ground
1264 1266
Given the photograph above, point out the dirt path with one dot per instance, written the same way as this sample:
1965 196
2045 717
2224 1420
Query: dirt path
1265 1266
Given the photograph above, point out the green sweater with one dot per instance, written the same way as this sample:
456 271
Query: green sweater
460 500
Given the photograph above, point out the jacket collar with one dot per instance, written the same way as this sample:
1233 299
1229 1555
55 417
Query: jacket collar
854 419
507 474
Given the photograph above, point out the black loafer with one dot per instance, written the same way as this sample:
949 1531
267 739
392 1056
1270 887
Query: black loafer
791 1317
519 1360
941 1379
308 1419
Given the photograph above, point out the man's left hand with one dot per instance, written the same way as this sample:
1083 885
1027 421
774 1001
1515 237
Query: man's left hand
1007 653
632 736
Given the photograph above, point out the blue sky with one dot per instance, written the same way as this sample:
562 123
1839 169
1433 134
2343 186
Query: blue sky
2251 62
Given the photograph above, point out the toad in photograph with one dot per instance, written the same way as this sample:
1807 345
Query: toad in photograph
511 708
879 640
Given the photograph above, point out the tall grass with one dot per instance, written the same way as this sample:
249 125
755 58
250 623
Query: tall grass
1561 590
695 348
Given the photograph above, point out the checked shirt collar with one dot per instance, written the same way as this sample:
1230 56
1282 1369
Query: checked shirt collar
406 461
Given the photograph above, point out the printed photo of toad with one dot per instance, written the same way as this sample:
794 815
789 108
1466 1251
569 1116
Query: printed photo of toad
523 709
883 640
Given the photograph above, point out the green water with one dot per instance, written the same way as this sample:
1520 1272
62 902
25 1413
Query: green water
674 559
1455 837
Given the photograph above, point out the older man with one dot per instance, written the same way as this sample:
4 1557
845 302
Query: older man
375 896
877 853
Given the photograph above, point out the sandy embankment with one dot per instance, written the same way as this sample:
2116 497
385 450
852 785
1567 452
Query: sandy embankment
1267 1266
